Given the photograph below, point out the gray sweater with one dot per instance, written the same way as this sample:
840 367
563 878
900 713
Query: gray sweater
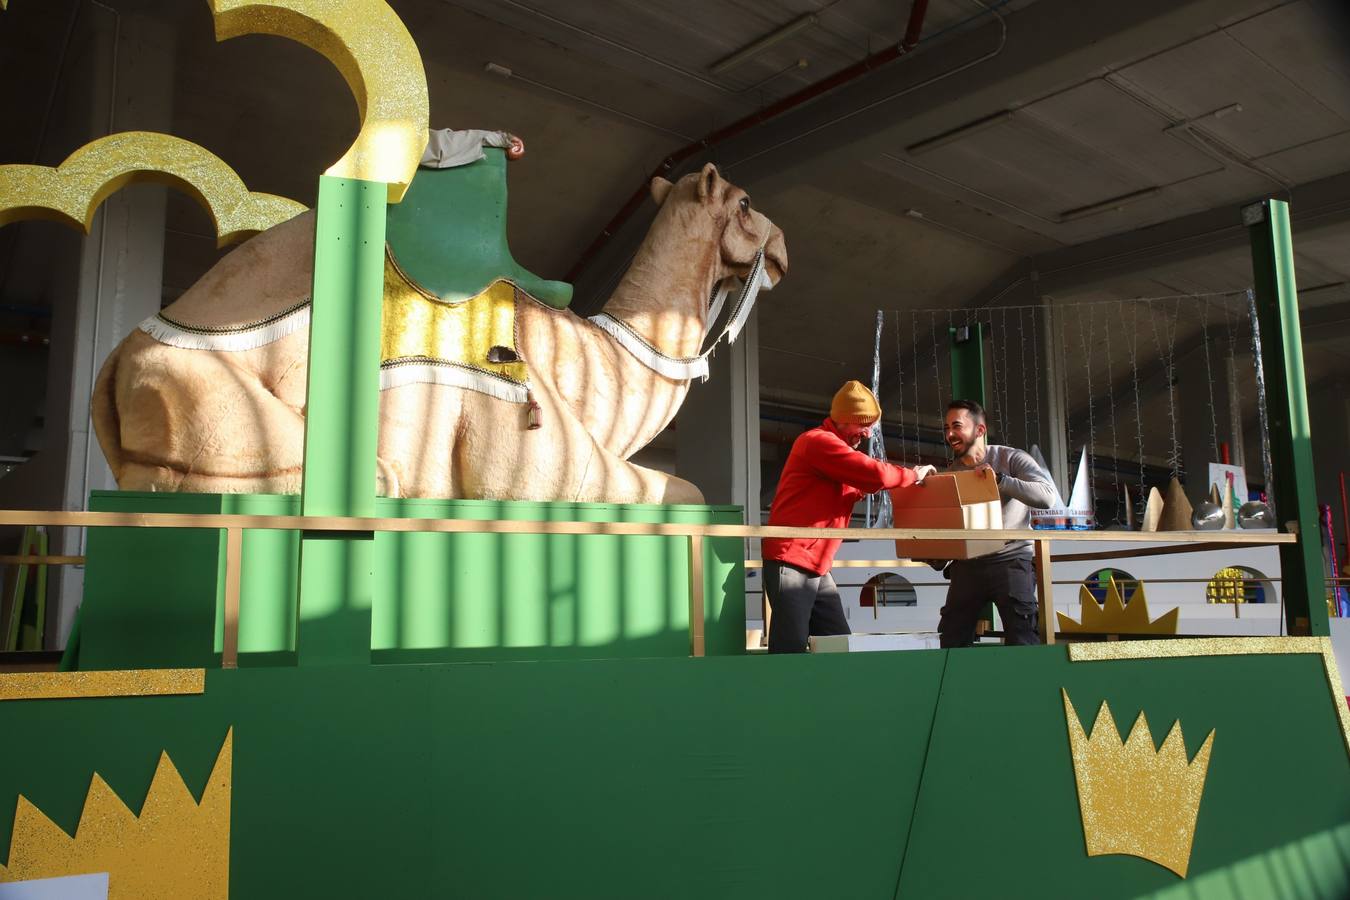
1024 487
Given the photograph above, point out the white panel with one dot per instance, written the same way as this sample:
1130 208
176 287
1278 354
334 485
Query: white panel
73 887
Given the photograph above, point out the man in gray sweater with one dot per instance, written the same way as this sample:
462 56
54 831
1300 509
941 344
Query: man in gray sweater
1006 577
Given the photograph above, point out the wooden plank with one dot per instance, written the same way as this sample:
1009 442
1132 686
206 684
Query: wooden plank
1142 551
1045 592
369 524
695 595
858 564
229 648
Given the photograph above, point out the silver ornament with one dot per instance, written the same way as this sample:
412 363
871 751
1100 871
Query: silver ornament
1207 516
1256 515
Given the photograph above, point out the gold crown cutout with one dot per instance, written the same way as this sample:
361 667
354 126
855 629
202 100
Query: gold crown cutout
175 849
1115 617
1134 799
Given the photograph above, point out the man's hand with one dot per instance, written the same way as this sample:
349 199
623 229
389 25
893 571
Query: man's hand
922 472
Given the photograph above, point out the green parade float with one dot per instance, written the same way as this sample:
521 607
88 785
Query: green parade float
338 693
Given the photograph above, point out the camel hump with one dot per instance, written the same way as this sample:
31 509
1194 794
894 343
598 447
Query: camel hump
266 275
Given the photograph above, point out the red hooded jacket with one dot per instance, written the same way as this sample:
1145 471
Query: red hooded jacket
821 481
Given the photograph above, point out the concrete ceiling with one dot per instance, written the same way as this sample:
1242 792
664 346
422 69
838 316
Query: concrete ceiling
1107 145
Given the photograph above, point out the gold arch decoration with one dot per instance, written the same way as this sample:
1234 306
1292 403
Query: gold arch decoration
377 56
72 191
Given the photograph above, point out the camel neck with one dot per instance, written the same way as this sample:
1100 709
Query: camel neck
663 297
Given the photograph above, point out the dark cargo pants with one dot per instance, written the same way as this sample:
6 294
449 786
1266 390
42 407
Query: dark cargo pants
1010 584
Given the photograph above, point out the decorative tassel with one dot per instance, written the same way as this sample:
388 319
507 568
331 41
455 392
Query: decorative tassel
534 418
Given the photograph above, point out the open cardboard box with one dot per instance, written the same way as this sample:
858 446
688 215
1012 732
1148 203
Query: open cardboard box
951 500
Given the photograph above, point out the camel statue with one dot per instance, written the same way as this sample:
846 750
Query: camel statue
209 396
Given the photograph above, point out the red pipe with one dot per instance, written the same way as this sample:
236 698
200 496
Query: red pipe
810 92
916 16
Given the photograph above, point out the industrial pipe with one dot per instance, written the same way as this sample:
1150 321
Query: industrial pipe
808 93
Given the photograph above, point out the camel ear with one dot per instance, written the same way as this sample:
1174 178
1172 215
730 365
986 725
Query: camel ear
707 182
660 189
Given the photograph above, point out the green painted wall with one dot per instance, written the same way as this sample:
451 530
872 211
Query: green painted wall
154 597
801 776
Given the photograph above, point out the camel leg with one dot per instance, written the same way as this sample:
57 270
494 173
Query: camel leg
607 475
196 421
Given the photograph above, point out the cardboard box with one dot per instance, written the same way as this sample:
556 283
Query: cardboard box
950 500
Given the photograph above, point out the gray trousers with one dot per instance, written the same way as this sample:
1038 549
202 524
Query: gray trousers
1010 584
803 604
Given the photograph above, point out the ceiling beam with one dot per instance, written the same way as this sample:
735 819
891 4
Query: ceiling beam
981 72
1313 207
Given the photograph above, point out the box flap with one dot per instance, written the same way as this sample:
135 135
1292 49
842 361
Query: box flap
976 486
947 490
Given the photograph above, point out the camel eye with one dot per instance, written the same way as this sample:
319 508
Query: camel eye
745 204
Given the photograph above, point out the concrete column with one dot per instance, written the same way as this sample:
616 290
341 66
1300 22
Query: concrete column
1054 404
717 435
119 277
717 429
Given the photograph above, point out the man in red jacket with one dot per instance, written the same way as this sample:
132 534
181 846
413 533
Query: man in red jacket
825 475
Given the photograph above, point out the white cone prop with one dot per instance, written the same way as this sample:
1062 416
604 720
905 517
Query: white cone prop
1080 499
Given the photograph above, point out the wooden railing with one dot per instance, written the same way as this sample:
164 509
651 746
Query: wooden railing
234 527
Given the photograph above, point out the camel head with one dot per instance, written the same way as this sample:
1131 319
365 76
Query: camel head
707 195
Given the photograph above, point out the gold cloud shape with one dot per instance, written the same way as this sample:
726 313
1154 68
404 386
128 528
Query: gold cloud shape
377 56
72 191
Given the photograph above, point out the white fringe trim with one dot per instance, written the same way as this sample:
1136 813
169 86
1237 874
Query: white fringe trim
649 356
228 340
452 375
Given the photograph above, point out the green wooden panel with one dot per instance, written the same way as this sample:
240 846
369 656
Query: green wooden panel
1314 866
152 598
1304 588
437 597
449 233
342 414
795 776
1002 715
611 778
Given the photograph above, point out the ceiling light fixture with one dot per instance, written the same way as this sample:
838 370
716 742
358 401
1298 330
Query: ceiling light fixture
759 46
957 134
1109 205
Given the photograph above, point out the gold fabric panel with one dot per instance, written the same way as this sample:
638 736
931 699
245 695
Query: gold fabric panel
418 325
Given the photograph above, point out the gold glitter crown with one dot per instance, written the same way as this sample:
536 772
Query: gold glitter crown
1134 799
176 848
1115 617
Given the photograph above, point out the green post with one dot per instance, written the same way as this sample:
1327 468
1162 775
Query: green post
1287 400
342 420
968 362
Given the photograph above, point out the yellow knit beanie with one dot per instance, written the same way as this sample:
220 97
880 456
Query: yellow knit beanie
855 405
